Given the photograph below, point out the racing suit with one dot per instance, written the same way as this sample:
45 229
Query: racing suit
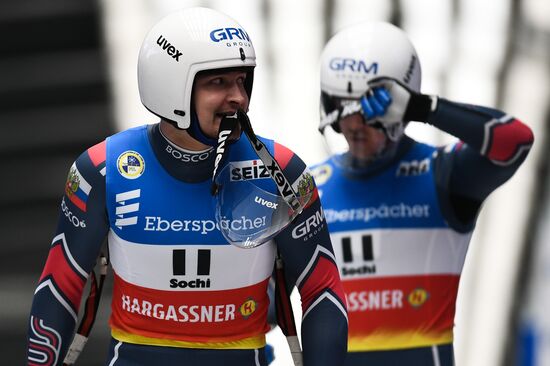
182 295
401 228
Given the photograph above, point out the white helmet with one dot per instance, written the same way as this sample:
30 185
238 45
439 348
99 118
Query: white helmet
178 47
363 52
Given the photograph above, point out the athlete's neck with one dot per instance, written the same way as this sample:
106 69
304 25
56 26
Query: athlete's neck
184 164
354 168
181 138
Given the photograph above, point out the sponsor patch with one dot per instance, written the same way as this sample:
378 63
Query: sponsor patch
310 226
73 219
384 299
77 188
127 207
248 308
413 168
196 313
305 184
130 164
418 297
248 169
321 174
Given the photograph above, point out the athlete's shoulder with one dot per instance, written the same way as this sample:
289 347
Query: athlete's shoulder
97 154
286 157
127 133
420 148
86 173
288 160
92 160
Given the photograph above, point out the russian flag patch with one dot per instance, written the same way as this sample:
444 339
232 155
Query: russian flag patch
77 189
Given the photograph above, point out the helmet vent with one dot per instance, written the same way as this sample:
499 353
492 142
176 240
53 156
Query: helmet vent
350 89
243 56
179 112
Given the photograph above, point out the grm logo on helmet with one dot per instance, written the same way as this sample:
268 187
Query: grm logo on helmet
350 64
222 34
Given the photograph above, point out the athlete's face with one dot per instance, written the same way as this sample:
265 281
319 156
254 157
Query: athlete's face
364 141
216 95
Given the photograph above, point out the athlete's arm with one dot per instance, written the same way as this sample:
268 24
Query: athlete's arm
312 265
492 147
75 247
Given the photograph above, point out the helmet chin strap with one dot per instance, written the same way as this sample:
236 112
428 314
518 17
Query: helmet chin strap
196 132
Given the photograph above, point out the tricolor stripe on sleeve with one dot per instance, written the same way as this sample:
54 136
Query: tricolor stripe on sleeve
506 139
319 280
63 275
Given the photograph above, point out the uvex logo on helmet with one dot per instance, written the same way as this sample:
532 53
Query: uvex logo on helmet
171 50
350 64
410 70
222 34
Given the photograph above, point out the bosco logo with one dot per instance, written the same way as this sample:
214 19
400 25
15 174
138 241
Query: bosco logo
418 297
248 308
130 164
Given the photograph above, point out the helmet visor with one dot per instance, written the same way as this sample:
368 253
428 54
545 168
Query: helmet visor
250 212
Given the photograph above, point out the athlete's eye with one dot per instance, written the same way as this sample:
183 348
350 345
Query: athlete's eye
217 81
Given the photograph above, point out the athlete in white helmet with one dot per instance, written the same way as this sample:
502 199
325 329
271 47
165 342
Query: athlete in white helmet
401 213
172 197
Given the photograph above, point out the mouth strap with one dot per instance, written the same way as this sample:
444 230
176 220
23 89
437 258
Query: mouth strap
228 124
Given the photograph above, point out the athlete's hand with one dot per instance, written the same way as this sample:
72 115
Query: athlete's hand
389 102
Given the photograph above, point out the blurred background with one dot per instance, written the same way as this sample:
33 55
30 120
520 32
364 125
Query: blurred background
68 80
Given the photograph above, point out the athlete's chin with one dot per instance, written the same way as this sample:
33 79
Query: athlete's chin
216 128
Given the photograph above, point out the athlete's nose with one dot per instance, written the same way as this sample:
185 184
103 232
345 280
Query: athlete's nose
356 121
237 96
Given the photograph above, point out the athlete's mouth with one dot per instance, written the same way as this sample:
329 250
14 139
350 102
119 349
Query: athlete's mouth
356 137
224 114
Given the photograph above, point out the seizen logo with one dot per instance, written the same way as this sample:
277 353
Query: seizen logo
245 171
171 50
70 216
343 64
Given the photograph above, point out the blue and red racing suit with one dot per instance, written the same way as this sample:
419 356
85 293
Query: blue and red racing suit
401 228
182 295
